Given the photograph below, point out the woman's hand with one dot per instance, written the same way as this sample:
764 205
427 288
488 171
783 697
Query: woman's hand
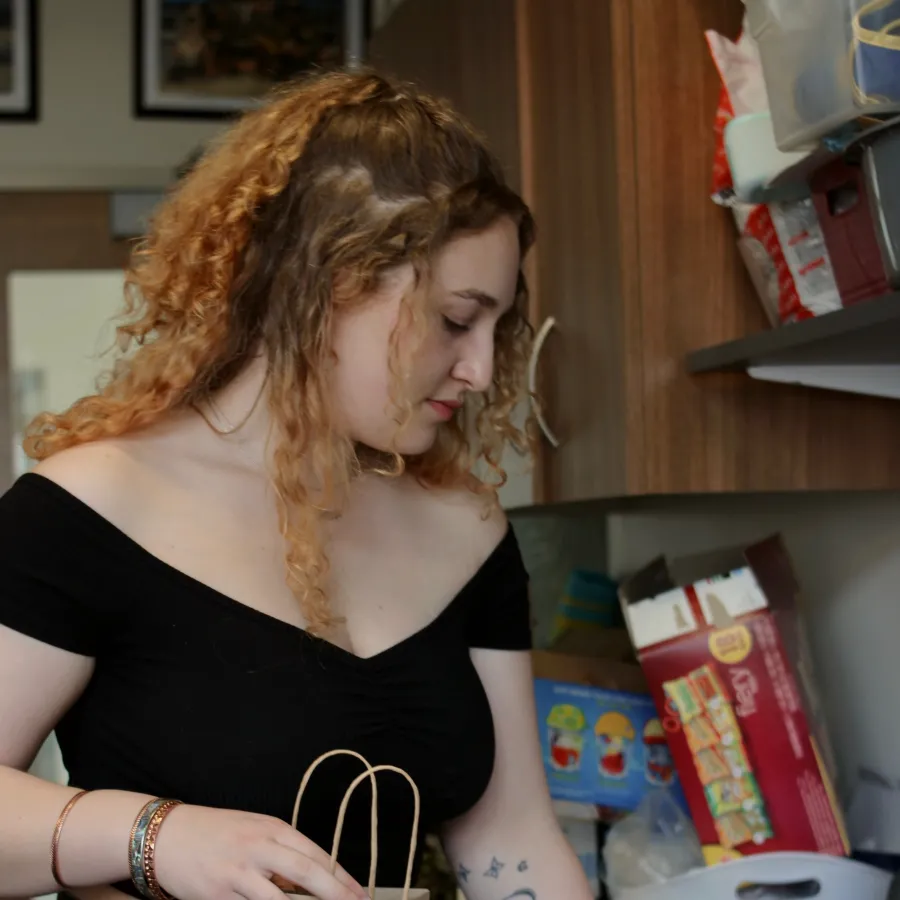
213 854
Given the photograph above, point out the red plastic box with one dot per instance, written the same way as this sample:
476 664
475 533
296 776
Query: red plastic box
846 215
720 642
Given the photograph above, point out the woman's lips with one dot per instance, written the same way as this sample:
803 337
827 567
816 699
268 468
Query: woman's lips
444 409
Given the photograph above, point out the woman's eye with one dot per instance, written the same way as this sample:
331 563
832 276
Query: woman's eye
454 327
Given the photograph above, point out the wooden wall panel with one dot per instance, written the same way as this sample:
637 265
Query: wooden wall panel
718 432
616 102
465 51
586 229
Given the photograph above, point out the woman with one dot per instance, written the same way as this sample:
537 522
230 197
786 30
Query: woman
261 541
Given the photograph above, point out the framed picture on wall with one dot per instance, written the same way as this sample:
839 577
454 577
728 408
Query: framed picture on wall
18 60
214 58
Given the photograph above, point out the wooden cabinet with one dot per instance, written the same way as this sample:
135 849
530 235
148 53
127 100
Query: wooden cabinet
602 111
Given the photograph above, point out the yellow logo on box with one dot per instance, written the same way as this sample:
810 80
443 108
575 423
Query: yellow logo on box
731 645
713 854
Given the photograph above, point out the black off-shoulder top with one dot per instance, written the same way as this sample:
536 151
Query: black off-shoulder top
199 697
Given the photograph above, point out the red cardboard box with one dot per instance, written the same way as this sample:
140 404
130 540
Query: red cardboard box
720 642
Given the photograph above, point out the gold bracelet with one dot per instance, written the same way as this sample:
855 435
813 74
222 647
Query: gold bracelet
57 831
148 863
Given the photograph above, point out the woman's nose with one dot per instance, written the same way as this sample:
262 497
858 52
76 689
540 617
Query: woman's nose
475 366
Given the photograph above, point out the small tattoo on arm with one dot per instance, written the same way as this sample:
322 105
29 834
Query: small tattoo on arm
494 868
522 866
463 873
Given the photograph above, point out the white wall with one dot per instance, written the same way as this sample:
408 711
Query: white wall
60 325
86 136
60 322
846 551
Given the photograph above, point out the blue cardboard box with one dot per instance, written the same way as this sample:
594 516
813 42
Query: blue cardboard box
601 746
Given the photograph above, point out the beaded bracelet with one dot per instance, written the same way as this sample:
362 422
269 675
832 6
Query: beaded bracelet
142 847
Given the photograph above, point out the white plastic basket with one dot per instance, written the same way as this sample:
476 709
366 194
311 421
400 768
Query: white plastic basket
773 876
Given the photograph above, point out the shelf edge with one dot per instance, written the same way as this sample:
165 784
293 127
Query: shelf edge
738 354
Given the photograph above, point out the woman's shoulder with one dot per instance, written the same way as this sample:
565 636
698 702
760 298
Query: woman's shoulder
457 529
465 515
472 527
96 469
101 475
62 510
58 556
498 601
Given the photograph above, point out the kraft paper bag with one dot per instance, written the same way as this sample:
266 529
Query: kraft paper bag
386 894
375 893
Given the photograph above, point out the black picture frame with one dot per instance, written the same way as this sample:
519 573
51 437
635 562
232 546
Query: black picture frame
155 29
19 61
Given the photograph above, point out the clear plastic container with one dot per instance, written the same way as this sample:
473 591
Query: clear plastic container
826 63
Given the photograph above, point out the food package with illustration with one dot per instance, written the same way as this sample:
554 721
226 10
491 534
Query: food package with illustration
720 641
601 738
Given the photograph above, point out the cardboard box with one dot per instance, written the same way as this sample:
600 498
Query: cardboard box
601 739
597 643
720 641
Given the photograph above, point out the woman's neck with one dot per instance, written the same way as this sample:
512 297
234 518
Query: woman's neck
239 416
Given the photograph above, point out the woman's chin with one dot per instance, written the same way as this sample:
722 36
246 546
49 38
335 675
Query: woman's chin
410 443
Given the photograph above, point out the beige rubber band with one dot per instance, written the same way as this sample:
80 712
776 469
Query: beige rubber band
370 773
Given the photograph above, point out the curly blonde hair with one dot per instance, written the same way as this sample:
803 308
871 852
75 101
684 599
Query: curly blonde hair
333 181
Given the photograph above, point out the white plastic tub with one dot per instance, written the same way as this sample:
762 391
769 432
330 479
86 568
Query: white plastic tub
826 63
773 876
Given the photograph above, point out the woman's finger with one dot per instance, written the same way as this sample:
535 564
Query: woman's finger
298 843
310 874
256 887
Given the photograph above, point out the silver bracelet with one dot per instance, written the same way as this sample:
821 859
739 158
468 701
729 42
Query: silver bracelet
137 844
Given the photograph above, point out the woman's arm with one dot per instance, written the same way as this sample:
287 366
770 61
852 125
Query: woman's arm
510 845
200 853
38 683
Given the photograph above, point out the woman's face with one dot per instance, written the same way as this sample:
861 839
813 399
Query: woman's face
473 284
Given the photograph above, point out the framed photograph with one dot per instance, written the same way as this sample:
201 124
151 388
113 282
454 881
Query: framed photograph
214 58
18 60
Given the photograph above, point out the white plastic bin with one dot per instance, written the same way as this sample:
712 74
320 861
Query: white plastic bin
792 875
826 62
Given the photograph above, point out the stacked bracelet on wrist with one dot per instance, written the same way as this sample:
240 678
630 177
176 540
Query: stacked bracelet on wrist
57 831
142 847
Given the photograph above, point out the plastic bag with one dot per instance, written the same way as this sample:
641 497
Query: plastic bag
782 243
653 844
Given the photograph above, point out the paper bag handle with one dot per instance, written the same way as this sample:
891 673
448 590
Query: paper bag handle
417 804
373 824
